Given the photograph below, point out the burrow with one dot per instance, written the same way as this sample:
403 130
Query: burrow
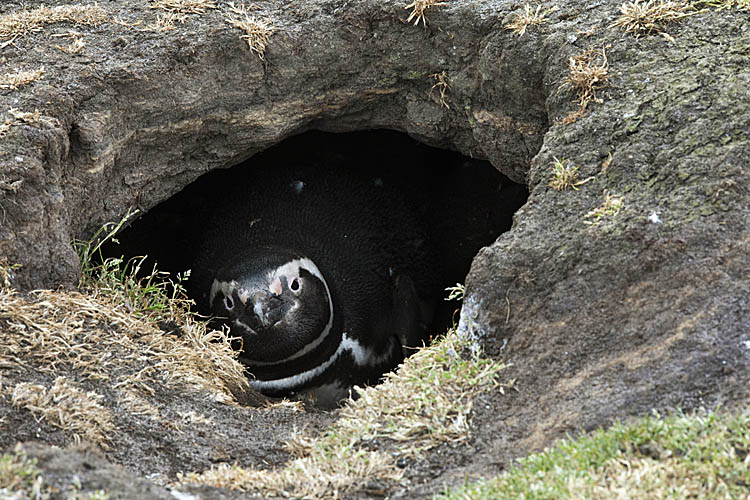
465 203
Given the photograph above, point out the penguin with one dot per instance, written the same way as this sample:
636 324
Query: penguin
324 276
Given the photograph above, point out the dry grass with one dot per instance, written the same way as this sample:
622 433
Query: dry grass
176 11
638 17
98 339
20 78
529 17
589 32
587 73
201 360
611 206
257 30
135 404
66 407
418 9
425 403
94 339
441 86
4 127
606 163
728 4
165 22
31 118
73 48
34 119
184 6
40 330
27 21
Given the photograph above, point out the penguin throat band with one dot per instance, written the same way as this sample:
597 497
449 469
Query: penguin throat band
362 356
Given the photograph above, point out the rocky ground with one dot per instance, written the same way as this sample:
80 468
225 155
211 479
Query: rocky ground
621 288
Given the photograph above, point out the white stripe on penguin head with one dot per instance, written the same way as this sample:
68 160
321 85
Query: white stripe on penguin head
292 268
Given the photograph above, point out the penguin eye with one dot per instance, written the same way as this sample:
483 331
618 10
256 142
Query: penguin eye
228 303
295 285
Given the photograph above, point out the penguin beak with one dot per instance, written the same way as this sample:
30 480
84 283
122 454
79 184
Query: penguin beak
267 308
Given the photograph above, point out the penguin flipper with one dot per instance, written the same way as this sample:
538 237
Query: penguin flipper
406 321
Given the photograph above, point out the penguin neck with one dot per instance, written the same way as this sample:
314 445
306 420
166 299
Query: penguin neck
313 354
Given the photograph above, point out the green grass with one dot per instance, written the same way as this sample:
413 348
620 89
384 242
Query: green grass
611 206
700 456
146 293
564 175
20 478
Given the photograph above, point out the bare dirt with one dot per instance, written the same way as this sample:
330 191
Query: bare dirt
602 317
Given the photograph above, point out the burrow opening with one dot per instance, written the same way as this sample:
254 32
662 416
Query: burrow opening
462 203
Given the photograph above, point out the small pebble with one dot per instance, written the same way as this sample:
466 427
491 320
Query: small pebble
654 218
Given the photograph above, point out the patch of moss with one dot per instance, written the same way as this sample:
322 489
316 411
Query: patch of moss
706 455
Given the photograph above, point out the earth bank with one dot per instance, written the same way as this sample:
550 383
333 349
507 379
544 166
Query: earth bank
625 293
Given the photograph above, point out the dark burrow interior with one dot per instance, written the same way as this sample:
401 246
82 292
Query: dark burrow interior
464 203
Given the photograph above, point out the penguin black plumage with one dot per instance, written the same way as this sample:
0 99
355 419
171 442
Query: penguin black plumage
325 275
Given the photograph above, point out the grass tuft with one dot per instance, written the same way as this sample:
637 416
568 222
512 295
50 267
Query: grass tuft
17 117
146 294
111 344
456 292
639 17
20 478
7 271
727 4
67 407
4 127
28 117
184 6
20 78
700 456
425 403
587 73
176 11
24 22
114 327
112 338
257 30
418 9
565 175
74 48
611 206
529 17
441 86
154 297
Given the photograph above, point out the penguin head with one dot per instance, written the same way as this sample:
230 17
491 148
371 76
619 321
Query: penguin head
277 301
